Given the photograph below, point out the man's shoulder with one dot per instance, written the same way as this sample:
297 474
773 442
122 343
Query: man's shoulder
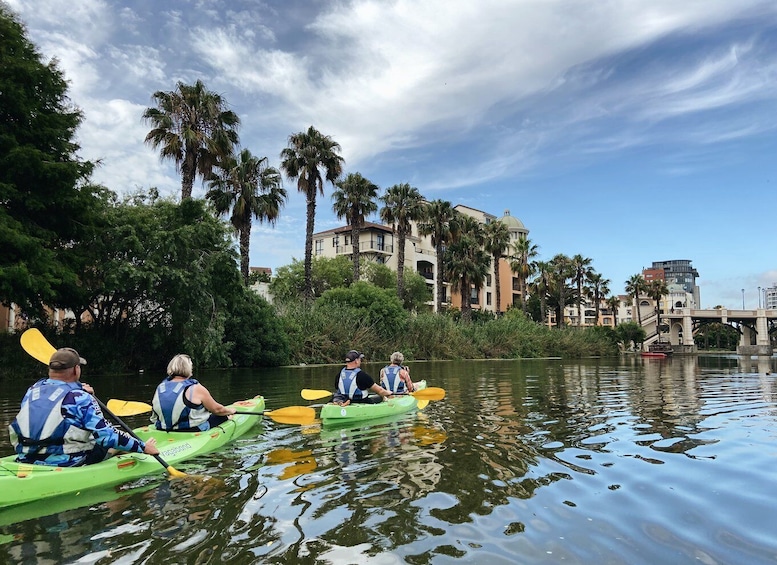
77 396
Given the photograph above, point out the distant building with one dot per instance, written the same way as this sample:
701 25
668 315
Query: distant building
677 273
377 242
770 297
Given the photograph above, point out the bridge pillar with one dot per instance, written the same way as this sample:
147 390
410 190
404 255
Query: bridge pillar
687 345
762 328
687 327
762 344
744 338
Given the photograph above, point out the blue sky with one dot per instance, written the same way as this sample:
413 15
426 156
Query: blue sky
628 131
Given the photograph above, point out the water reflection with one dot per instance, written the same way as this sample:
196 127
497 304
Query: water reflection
622 461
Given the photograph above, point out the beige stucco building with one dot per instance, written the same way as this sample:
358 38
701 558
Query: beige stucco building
378 242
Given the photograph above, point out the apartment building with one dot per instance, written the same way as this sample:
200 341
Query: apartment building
680 277
378 242
770 297
607 318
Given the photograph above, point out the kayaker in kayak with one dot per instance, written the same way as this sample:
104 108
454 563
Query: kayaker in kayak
353 385
182 404
395 377
60 423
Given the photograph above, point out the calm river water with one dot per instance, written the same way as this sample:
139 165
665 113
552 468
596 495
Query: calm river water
598 461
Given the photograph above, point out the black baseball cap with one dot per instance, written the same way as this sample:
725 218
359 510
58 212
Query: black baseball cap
353 355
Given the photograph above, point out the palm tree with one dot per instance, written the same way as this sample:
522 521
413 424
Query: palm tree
634 286
466 263
521 263
403 204
581 267
247 188
656 290
353 200
191 126
562 269
308 155
541 285
597 288
497 241
613 303
438 222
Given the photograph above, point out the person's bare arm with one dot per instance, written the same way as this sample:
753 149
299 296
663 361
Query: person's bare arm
404 374
201 395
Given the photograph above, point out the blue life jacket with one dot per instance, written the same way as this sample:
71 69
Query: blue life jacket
391 380
173 411
347 384
39 432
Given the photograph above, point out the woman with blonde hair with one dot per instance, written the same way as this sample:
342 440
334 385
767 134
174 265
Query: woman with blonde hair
182 404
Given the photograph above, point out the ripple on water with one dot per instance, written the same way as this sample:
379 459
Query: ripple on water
529 461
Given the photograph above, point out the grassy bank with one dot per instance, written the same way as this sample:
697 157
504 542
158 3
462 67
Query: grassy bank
323 333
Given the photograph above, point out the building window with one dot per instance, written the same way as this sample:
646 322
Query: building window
473 297
335 241
381 242
488 280
319 246
488 299
347 240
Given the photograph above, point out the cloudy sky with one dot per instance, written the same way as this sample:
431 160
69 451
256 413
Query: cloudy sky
628 131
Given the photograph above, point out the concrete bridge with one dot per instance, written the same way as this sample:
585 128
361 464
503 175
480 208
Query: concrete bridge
754 326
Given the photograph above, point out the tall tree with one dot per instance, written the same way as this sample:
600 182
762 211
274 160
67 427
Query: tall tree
246 188
562 270
581 267
541 286
192 126
613 303
497 240
354 200
597 288
466 262
403 204
634 287
438 222
521 263
311 159
46 203
165 268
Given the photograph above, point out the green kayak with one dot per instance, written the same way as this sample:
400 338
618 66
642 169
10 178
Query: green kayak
22 482
333 414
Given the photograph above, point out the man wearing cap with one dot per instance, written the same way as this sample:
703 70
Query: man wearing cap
353 385
60 423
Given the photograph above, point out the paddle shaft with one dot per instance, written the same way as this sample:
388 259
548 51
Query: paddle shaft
127 429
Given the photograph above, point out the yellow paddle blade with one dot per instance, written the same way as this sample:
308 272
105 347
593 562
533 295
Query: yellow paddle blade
422 404
312 394
37 346
180 474
430 393
293 415
127 407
